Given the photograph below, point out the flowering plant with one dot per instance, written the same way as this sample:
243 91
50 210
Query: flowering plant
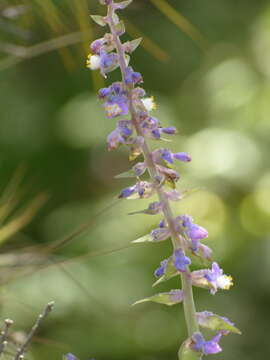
128 99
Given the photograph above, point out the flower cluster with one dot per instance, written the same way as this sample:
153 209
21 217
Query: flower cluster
128 100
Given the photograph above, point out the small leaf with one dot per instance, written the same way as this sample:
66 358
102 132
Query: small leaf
99 20
126 174
120 28
145 238
115 18
216 322
132 45
122 5
168 298
186 353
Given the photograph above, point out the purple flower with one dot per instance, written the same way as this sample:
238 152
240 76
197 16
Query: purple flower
180 260
70 356
166 155
132 77
213 279
125 127
143 189
127 192
117 88
212 346
193 231
114 139
108 62
162 224
116 105
196 232
182 156
206 347
155 134
171 130
150 126
161 270
97 45
217 279
104 92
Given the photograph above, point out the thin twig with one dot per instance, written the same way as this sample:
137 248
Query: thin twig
4 335
21 351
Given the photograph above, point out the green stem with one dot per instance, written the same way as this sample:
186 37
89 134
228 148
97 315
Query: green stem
189 306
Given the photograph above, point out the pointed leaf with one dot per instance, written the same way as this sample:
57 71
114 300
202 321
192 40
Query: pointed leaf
120 28
216 322
138 212
146 238
186 353
122 5
126 174
99 20
168 298
115 18
132 45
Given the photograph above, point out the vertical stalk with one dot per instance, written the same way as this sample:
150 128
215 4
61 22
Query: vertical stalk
189 306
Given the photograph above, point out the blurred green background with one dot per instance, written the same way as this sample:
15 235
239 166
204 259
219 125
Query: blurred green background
65 237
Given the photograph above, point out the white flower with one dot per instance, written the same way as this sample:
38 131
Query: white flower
224 282
93 62
149 103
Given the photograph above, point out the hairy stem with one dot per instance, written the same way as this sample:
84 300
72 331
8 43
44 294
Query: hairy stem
189 306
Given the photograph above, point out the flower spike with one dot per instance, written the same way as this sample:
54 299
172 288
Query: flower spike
156 175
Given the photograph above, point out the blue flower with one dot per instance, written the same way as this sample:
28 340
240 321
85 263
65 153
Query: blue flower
116 105
108 62
206 347
143 189
180 260
97 45
166 155
132 77
104 92
217 279
182 156
193 231
127 192
114 139
70 356
125 127
162 223
171 130
161 270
